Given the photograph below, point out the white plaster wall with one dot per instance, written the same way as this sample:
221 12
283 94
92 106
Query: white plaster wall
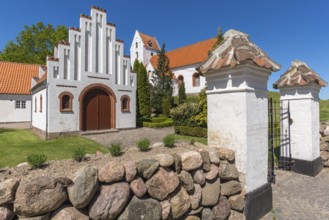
304 112
140 49
39 118
237 119
8 112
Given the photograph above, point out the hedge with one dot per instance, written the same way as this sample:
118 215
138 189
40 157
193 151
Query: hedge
191 131
156 122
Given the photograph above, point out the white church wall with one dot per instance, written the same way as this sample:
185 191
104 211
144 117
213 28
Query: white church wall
38 115
139 49
8 111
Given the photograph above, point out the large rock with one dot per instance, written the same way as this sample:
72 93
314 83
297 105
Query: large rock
6 213
237 202
236 216
40 195
180 204
326 131
324 146
147 167
130 170
192 217
7 191
210 193
228 171
177 162
84 187
195 197
191 160
68 212
41 217
214 158
324 155
213 173
205 160
111 172
207 214
226 154
109 201
186 180
230 188
165 160
162 183
138 187
198 177
165 204
142 209
222 210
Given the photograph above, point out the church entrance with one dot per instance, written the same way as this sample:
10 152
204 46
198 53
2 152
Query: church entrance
97 108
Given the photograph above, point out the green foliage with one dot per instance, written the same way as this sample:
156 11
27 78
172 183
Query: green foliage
169 141
200 119
136 66
191 131
79 153
36 160
183 113
166 105
156 122
136 69
115 149
192 141
324 110
162 81
181 94
189 138
219 41
143 89
144 144
34 44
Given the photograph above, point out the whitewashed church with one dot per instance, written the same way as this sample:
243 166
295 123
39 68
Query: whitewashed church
87 84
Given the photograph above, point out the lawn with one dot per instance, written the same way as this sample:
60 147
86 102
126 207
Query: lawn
324 110
16 145
189 138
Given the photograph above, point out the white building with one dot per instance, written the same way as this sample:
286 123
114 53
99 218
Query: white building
15 95
88 84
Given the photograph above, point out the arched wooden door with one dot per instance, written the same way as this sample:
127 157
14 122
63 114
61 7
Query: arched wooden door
97 110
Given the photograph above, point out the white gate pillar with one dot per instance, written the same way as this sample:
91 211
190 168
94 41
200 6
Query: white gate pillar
300 87
237 73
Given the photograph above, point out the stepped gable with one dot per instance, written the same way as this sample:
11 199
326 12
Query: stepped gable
299 74
237 49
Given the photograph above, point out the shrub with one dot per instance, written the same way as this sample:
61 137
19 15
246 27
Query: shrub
181 94
169 141
192 142
143 144
36 160
166 105
155 122
115 149
79 153
183 113
191 131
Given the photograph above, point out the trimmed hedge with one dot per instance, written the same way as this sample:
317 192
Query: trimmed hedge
191 131
156 122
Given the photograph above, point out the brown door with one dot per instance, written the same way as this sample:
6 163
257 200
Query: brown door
97 110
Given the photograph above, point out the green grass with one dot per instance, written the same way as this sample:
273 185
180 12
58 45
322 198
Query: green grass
324 110
189 98
189 138
16 145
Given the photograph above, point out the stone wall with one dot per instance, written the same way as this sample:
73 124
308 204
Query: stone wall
193 185
324 143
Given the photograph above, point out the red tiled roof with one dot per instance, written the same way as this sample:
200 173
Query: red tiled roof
146 38
15 78
188 55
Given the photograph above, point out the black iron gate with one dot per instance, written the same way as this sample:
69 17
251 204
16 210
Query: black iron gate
279 144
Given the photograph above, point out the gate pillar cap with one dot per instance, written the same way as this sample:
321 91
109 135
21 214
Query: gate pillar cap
299 74
236 49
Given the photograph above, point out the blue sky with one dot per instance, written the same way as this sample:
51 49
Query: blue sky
286 30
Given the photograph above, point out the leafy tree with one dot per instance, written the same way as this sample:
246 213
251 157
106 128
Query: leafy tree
220 40
166 105
136 69
202 117
34 44
162 81
181 93
143 92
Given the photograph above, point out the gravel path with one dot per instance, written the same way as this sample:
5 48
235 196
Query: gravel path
128 138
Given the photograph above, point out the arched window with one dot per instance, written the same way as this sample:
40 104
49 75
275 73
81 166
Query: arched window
125 103
136 44
196 79
180 80
40 103
136 55
65 99
35 104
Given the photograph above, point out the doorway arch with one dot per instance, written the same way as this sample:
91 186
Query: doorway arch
97 108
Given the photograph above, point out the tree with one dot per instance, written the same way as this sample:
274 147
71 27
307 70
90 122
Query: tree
34 44
136 70
166 105
181 93
143 92
162 81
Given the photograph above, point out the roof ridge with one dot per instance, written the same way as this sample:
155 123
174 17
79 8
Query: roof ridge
189 45
34 64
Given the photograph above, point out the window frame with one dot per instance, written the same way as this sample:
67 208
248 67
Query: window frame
40 110
61 96
19 104
35 104
194 76
23 104
125 97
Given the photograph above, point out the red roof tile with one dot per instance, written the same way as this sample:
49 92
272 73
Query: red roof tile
188 55
15 78
149 41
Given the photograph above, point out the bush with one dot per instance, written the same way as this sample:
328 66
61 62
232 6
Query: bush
181 94
192 142
36 160
169 141
78 153
191 131
166 105
143 144
183 113
115 149
155 122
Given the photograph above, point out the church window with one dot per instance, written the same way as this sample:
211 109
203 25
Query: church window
149 43
136 44
152 54
40 103
65 102
125 103
23 104
136 55
180 80
196 79
17 104
35 104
